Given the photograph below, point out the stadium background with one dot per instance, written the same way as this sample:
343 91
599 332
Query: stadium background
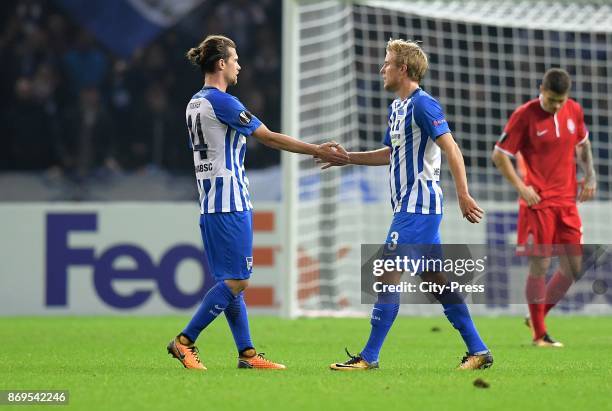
100 255
94 157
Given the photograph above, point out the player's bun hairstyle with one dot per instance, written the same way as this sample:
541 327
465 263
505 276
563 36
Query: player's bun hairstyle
409 52
557 80
212 49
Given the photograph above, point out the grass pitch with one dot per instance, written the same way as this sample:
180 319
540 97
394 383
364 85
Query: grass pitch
120 363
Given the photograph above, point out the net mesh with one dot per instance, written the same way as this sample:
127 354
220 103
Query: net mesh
486 58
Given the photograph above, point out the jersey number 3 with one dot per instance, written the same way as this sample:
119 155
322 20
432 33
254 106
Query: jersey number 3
198 144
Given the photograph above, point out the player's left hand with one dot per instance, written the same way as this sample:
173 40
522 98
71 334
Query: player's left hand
587 190
470 210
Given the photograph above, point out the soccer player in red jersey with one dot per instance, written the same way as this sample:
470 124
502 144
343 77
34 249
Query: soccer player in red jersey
549 134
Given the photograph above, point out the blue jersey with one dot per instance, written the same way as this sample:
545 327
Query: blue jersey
218 125
414 169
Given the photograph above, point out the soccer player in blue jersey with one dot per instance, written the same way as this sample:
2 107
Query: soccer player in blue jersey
417 133
218 126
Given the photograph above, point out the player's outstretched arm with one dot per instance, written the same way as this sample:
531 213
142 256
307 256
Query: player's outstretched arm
504 165
326 151
469 208
584 155
378 157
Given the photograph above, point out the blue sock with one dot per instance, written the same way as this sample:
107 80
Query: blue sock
214 303
459 316
383 314
238 320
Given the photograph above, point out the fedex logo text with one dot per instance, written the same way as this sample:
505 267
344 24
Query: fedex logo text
60 257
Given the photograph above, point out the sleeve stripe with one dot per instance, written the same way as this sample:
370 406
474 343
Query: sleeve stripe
504 151
584 140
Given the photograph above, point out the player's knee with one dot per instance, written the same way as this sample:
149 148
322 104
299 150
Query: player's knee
237 286
570 267
538 266
571 272
388 298
448 297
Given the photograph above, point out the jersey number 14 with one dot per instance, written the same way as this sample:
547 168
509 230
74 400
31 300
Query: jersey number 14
197 138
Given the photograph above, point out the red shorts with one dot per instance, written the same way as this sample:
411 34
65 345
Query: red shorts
549 231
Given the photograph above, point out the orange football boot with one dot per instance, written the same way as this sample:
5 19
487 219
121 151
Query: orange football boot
476 362
189 356
547 341
258 361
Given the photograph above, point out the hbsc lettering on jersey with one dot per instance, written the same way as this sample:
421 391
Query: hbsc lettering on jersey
201 168
60 256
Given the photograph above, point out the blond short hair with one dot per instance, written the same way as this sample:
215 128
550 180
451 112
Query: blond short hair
409 52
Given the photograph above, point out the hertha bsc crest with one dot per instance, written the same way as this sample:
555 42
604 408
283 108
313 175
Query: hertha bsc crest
249 263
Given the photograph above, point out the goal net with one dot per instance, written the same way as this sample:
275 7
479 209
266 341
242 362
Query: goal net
486 58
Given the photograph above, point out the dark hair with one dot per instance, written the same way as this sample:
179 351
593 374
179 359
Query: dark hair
557 80
212 49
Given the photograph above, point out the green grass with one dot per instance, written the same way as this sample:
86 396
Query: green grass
120 363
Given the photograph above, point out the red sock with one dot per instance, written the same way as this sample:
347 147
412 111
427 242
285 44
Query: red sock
535 291
555 290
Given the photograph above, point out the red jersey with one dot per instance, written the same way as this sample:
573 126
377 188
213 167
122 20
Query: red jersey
547 143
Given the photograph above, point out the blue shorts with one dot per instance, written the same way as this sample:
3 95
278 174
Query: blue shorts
416 236
228 244
410 228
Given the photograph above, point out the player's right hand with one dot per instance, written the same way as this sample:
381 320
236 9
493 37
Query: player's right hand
339 155
587 189
529 194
